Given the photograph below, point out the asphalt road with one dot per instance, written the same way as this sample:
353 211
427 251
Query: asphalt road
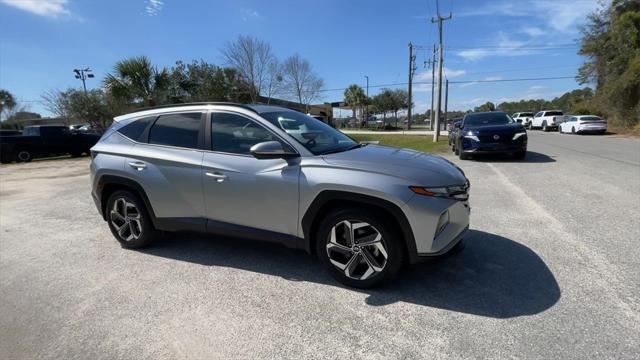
551 270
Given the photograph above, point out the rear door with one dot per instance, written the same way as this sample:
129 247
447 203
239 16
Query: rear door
242 190
167 162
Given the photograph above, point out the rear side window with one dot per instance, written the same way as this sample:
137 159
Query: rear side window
553 113
179 130
135 129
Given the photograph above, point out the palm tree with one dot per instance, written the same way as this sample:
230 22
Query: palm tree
354 97
137 80
7 101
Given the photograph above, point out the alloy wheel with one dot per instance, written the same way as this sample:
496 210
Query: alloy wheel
125 217
357 249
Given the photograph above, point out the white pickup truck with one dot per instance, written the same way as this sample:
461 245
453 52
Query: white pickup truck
523 117
546 120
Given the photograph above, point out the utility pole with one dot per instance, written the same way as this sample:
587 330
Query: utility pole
433 79
446 100
439 20
367 85
83 74
412 58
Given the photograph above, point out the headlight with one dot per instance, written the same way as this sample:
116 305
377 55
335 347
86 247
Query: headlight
517 135
458 192
471 135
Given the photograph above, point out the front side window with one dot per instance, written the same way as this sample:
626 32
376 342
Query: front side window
313 134
179 130
236 134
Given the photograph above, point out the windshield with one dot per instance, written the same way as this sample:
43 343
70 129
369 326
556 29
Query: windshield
313 134
487 119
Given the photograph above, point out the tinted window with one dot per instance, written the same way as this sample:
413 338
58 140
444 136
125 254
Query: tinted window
590 118
31 131
553 113
525 114
54 131
136 128
493 118
236 134
316 136
176 130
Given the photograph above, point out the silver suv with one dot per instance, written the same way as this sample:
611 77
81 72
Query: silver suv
270 173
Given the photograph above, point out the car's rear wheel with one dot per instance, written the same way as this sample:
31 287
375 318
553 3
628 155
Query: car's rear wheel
360 247
544 126
573 130
129 220
24 155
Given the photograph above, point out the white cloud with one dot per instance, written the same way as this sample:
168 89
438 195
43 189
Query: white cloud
153 7
48 8
506 46
532 31
425 78
249 14
559 15
489 78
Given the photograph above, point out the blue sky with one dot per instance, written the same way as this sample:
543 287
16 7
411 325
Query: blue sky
42 41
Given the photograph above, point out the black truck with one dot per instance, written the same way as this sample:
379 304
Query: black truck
44 141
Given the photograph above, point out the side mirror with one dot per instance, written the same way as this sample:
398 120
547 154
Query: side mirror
271 150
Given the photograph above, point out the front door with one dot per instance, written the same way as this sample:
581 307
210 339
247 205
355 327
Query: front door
241 192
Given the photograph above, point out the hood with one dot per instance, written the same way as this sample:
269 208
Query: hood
418 168
495 129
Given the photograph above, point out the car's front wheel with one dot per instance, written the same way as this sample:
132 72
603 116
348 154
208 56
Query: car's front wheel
544 126
129 220
360 247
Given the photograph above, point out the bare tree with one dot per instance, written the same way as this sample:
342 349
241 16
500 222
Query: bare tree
274 80
57 102
252 58
301 81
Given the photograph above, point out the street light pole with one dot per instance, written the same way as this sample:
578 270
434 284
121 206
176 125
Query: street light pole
83 74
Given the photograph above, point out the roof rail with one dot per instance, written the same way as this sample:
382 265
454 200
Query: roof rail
244 106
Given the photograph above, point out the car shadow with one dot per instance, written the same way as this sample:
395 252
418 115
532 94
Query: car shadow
532 157
493 277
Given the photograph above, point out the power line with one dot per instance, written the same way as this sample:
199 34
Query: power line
459 82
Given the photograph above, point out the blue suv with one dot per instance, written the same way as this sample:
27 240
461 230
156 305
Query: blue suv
490 132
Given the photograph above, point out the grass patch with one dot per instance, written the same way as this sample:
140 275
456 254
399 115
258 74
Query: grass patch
416 142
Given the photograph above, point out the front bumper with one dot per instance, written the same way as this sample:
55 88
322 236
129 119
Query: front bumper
423 213
478 147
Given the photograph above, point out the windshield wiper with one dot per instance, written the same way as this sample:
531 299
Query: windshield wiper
333 151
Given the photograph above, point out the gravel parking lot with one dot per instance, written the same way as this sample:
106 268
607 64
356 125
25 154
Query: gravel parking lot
551 270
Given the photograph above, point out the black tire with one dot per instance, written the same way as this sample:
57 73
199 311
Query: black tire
544 126
573 130
520 154
147 233
529 126
392 241
24 155
462 155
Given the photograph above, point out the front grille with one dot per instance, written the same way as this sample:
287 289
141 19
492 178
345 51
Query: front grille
502 138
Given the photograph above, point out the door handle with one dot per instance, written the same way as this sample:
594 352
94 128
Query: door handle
217 176
138 165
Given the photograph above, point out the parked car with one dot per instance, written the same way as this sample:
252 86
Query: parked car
4 133
582 124
247 171
546 120
453 132
490 132
43 141
523 118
